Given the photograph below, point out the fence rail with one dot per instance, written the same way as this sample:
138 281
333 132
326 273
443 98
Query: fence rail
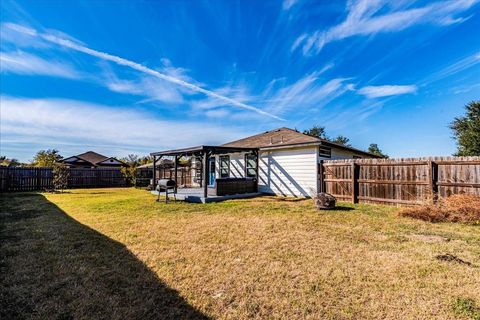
31 179
407 181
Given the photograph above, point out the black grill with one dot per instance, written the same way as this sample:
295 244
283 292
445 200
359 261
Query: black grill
168 186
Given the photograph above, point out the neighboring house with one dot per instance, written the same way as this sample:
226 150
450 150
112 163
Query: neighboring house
165 163
92 159
288 160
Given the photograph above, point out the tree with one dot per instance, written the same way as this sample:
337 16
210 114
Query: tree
130 170
316 131
373 148
60 176
4 161
342 140
466 130
145 160
46 158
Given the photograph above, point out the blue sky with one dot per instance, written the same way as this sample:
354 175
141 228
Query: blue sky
123 77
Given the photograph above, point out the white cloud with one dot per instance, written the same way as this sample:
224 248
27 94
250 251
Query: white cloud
217 113
25 63
152 88
73 45
385 91
456 67
366 17
239 92
68 122
287 4
306 93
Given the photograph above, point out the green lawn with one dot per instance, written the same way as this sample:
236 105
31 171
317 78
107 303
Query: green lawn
116 253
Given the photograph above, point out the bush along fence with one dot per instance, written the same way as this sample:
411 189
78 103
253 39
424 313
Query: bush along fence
406 181
31 179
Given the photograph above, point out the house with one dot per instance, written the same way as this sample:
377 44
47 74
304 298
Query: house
281 162
92 159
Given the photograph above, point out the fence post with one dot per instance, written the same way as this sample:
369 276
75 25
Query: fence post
433 179
97 178
7 180
38 179
355 176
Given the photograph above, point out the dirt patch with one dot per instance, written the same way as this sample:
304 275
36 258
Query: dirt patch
451 258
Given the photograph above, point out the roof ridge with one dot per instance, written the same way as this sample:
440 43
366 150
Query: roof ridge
269 131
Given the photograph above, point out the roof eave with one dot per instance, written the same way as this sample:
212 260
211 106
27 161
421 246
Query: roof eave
291 145
202 149
336 145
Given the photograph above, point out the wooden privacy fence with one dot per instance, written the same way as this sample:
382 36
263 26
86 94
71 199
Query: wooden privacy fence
25 179
407 181
30 179
98 177
184 175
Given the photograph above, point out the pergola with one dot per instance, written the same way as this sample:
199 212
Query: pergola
204 152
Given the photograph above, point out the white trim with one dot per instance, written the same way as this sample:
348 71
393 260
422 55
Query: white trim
291 146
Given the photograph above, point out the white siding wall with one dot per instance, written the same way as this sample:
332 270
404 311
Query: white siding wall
289 172
237 165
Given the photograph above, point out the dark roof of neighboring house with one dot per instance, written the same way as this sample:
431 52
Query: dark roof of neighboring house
91 157
286 137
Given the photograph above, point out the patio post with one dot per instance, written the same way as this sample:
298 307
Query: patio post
205 174
176 173
154 172
256 169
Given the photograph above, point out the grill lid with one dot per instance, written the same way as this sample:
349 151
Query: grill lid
166 183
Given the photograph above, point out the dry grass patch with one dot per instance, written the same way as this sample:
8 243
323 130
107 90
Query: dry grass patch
243 259
456 208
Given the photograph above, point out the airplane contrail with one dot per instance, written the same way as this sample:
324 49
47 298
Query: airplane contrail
136 66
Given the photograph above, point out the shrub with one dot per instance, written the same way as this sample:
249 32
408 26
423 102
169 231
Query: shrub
457 208
60 177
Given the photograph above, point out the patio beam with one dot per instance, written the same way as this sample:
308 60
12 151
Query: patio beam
256 153
201 150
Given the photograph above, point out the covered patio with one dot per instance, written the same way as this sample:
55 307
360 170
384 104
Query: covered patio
211 187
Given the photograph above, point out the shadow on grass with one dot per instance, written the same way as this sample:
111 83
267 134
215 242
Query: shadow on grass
52 266
342 208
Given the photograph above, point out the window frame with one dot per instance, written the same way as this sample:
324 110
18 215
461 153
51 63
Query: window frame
220 167
247 167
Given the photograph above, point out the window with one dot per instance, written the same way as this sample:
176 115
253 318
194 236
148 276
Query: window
224 166
325 152
250 165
